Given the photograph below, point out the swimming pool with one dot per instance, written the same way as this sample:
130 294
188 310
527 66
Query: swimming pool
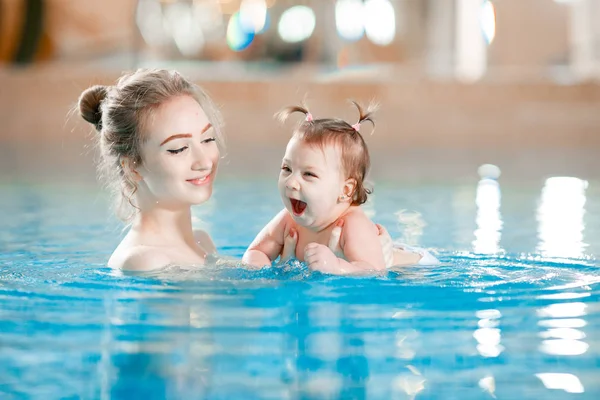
512 312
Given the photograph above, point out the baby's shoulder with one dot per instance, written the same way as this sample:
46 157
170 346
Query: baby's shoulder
356 225
139 258
356 215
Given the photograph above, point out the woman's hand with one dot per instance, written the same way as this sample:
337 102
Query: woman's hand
290 241
387 245
289 245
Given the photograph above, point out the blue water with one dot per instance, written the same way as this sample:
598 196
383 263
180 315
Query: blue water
515 301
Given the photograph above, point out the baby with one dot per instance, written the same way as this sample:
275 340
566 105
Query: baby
321 183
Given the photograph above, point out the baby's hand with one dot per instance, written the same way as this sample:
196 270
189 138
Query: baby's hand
320 258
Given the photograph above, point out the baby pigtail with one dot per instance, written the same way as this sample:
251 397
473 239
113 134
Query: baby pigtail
364 115
284 114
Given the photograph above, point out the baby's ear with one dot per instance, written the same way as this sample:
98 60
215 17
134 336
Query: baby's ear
349 187
130 169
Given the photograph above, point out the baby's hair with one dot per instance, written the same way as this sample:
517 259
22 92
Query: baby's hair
332 131
120 114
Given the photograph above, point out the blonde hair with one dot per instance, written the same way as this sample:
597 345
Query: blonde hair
332 131
119 114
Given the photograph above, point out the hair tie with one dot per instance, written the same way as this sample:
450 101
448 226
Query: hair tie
309 117
356 126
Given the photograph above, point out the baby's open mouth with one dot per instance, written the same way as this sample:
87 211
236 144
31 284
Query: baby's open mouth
298 206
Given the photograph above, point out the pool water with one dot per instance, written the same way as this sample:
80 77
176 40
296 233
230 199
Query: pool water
513 311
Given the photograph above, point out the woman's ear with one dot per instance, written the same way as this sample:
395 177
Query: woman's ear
130 169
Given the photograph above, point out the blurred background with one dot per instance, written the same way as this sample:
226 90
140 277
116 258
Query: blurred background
461 83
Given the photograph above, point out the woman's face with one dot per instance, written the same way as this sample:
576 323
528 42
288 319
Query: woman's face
179 155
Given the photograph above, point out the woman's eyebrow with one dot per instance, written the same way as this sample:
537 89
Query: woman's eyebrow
177 136
185 135
207 127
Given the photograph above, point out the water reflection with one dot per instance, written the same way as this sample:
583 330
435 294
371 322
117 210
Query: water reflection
353 366
560 217
563 333
563 296
562 337
410 383
563 323
567 382
403 348
411 224
326 349
147 350
489 220
488 335
488 384
563 310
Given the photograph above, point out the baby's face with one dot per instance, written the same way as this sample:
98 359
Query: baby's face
311 182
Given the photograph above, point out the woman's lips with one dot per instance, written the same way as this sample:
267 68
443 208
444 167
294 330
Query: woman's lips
199 181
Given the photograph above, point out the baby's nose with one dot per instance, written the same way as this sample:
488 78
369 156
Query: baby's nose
292 184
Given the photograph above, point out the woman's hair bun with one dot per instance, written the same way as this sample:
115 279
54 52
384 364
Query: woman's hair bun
89 105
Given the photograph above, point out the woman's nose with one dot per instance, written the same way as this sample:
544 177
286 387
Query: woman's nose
201 160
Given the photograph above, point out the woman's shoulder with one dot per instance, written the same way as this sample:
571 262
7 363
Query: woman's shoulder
205 241
138 258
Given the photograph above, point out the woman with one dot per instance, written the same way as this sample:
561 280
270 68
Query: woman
158 144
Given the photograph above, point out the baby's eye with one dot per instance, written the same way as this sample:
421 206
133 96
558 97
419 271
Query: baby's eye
177 151
310 174
286 168
208 140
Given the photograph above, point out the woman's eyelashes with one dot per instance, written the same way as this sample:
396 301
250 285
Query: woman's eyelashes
177 151
182 149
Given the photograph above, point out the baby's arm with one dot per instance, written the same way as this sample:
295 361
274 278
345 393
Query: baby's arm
268 244
360 245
